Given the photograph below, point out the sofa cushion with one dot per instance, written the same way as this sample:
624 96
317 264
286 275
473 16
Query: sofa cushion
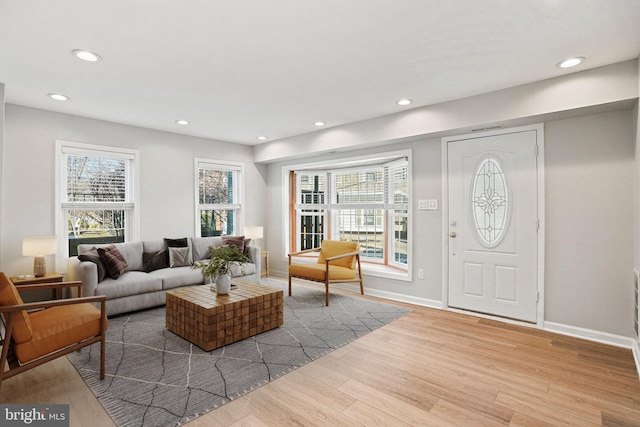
132 253
156 260
200 247
153 245
131 283
114 262
94 257
177 277
179 257
244 269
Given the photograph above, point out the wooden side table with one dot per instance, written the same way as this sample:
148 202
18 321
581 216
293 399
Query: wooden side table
52 277
265 270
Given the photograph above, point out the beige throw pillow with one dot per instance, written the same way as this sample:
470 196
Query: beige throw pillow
179 257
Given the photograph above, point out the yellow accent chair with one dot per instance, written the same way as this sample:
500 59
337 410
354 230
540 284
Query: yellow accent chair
337 262
38 332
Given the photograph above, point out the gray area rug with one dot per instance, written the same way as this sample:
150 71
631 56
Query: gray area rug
155 378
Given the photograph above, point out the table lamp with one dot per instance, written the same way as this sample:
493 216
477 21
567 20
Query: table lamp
253 232
38 247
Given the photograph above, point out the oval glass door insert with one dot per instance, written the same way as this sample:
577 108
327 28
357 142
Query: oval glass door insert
490 202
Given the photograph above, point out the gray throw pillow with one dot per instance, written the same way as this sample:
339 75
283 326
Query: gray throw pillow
179 257
94 257
152 261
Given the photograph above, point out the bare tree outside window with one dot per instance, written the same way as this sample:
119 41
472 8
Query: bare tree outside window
96 200
217 199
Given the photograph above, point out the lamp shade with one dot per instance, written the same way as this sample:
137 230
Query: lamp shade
253 232
39 245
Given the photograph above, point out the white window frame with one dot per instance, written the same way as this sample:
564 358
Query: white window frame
238 190
372 269
322 207
392 215
132 213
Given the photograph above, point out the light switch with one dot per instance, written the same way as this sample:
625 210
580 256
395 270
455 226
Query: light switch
428 205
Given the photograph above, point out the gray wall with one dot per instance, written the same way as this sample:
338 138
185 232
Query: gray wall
589 215
2 179
166 201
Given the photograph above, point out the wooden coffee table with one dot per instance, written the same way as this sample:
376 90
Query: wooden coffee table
208 320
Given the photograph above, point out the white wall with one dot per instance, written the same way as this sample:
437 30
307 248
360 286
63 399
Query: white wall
167 197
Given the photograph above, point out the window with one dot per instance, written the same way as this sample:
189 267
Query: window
96 196
310 209
368 204
218 207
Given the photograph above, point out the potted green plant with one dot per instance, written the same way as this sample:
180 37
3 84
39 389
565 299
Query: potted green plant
217 267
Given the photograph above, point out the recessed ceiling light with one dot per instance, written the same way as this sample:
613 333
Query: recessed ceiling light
58 96
404 102
85 55
571 62
262 138
182 122
319 123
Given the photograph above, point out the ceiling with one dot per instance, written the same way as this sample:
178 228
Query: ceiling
241 69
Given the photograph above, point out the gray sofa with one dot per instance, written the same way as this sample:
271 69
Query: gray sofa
137 289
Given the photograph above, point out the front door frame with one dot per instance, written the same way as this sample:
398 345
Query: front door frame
539 129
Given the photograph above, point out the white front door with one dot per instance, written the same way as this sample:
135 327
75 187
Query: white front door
493 224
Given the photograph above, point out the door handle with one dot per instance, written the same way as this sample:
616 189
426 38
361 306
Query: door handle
453 234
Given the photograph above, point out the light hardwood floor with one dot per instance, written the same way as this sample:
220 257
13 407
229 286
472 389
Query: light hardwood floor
430 367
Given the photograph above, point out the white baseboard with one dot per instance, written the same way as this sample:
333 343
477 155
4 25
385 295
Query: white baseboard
424 302
393 296
589 334
597 336
635 348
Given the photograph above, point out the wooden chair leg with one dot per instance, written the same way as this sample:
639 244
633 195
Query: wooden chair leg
103 336
326 288
102 355
289 285
360 274
6 342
